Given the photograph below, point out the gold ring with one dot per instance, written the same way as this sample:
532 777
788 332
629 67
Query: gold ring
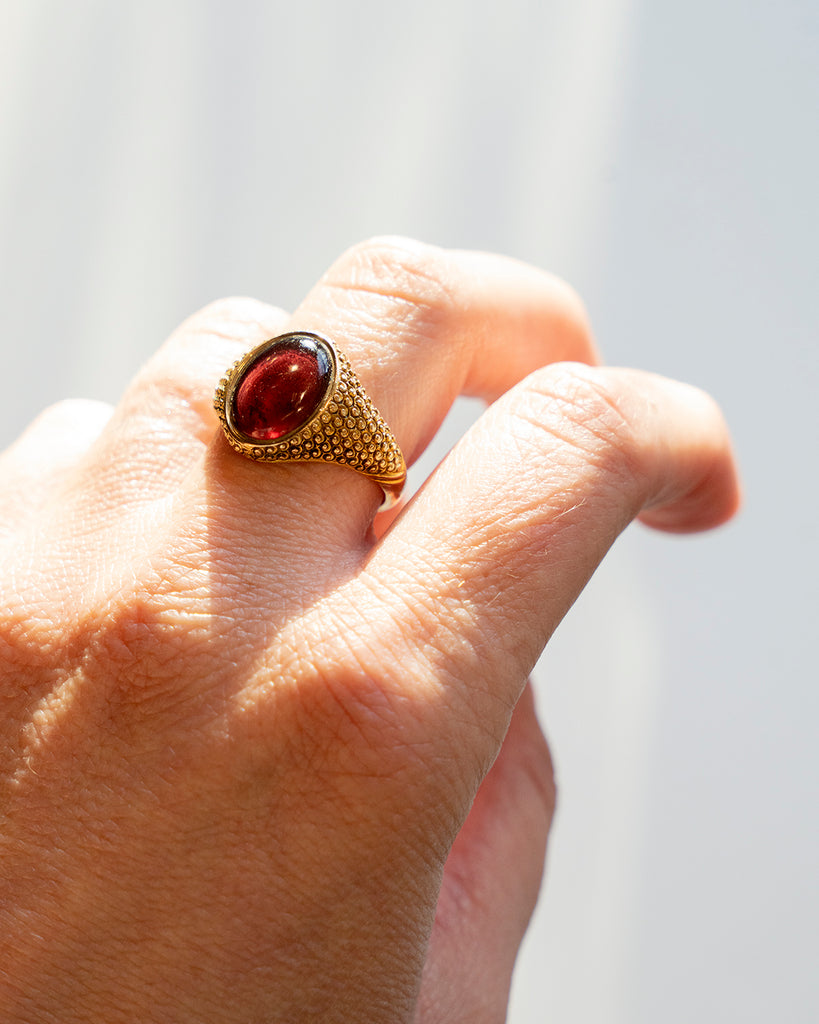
295 398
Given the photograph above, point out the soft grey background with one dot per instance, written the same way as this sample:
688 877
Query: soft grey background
664 157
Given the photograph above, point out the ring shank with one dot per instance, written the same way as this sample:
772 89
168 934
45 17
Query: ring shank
392 492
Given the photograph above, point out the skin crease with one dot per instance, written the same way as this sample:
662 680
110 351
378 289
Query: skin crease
258 765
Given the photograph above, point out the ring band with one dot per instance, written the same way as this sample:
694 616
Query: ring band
295 398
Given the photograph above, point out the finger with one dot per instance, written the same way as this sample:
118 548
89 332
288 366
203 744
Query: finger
34 467
425 324
165 419
491 882
507 532
120 498
420 326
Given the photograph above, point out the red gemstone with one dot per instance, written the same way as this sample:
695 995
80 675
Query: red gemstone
281 390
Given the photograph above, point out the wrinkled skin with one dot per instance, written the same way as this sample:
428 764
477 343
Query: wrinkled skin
258 766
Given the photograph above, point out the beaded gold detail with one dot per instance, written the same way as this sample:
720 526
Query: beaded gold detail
296 398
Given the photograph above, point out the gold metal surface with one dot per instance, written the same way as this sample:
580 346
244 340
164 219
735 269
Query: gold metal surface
345 429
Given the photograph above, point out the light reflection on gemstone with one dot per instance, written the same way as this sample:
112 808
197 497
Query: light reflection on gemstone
282 388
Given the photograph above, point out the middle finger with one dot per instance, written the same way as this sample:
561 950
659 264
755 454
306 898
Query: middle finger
420 326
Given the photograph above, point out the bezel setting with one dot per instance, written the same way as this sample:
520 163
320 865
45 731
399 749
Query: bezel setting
345 427
240 370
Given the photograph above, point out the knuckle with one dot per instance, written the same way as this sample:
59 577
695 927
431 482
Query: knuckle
362 714
376 744
150 648
231 317
181 375
68 425
70 411
210 338
399 271
348 714
346 702
581 407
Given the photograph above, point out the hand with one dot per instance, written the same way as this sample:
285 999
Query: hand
247 749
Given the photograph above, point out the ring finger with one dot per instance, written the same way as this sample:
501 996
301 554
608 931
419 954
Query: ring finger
420 326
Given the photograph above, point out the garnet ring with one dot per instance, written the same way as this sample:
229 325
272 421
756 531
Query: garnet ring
295 398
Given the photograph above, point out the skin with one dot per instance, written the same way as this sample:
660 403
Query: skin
256 765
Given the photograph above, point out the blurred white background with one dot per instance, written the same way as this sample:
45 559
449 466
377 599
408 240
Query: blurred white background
664 157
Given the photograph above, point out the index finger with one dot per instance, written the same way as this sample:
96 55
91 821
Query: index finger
507 532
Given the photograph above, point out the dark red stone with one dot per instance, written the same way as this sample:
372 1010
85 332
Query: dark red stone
282 389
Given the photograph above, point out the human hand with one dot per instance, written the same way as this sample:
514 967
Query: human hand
257 765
